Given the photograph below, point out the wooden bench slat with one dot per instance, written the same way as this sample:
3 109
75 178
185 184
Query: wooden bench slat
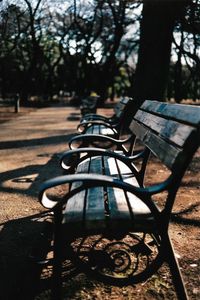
184 113
74 208
118 208
166 152
168 129
118 109
106 131
95 208
124 100
140 212
100 129
93 129
125 206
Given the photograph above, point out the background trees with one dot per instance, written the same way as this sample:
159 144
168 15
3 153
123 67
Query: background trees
157 25
80 46
185 70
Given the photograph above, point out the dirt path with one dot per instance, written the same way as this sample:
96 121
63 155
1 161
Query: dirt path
30 146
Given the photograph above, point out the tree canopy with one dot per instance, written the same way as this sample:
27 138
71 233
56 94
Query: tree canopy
84 45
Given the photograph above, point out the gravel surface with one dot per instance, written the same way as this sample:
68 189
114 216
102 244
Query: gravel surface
30 145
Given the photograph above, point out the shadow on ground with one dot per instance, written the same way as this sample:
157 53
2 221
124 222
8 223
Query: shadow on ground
25 241
36 142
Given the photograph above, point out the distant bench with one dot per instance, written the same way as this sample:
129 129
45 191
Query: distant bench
14 100
89 105
114 202
109 126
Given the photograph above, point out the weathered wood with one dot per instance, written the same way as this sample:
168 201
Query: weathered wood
73 211
170 130
87 208
117 203
120 108
166 133
179 112
166 152
122 205
95 207
100 129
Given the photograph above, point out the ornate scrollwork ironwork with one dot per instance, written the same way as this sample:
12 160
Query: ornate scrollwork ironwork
131 259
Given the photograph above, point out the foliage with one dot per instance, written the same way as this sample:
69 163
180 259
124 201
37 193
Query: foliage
76 45
185 68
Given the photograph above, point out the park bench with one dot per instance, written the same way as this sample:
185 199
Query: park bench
108 126
108 133
89 105
115 227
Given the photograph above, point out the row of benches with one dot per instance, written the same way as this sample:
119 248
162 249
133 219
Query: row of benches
103 193
109 126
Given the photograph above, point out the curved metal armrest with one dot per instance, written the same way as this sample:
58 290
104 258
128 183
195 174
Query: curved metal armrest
71 158
91 181
90 138
82 127
91 117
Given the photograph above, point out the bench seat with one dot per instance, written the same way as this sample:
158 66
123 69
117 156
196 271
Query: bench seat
101 208
102 130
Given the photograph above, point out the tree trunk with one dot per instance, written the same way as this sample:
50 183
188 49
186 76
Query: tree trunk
178 95
157 24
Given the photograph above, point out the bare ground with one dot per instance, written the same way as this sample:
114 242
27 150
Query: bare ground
30 145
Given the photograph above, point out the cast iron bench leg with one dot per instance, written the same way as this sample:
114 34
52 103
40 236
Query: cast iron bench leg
175 271
57 259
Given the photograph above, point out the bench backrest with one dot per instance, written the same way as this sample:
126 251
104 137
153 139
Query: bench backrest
124 111
120 106
171 132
